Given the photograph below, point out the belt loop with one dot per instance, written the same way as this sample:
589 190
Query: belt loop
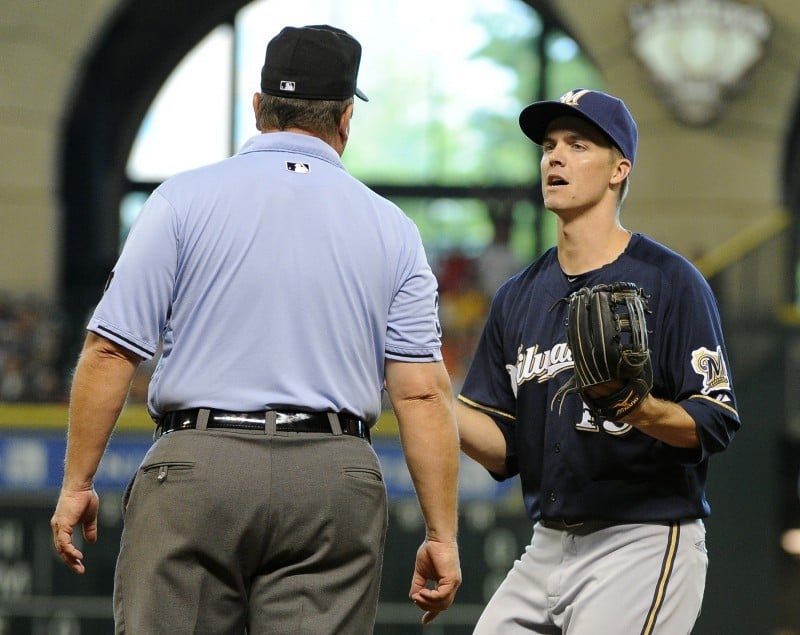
336 425
202 418
270 418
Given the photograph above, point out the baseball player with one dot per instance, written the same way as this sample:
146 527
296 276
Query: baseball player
285 295
617 504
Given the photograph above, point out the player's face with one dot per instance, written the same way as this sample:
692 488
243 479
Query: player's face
578 165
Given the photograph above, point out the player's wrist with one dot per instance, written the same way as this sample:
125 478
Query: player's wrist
643 414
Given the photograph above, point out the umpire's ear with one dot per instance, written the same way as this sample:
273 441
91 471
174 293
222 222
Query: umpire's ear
256 102
344 127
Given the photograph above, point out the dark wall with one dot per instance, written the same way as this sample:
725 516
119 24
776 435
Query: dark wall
743 530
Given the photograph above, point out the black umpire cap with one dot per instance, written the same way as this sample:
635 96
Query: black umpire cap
312 62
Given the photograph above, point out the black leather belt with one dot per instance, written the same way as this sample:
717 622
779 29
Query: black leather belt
581 527
284 421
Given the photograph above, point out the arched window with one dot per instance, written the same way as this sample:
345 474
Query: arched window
445 94
439 135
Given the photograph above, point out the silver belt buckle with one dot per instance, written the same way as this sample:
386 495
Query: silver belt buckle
291 417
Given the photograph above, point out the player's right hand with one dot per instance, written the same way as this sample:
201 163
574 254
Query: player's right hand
74 507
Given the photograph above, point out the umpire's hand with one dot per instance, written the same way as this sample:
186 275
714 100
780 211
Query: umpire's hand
74 507
437 563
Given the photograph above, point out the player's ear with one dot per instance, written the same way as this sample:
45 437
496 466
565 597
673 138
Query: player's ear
622 168
256 103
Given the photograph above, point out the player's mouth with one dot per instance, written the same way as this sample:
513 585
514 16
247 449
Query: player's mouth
556 180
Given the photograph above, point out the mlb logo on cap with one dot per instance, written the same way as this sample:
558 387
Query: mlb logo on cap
287 86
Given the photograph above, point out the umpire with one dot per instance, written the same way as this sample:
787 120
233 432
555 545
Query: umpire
285 296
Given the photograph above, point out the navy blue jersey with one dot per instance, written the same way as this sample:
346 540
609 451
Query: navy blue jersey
570 466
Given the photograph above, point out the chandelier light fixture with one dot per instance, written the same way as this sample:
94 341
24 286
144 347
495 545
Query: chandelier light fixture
698 52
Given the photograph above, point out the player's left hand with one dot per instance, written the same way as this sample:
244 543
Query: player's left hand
74 507
437 563
605 389
608 337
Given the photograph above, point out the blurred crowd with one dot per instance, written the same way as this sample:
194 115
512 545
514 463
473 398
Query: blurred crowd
466 287
31 341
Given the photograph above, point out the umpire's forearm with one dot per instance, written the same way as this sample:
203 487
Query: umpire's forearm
422 399
430 444
99 389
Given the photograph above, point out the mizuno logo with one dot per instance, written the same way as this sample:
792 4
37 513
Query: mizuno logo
627 403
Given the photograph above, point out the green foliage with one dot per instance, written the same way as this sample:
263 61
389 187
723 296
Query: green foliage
422 129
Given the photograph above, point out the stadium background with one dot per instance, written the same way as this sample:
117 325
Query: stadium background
77 79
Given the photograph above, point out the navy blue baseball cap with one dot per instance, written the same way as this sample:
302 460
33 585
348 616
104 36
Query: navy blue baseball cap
312 62
608 113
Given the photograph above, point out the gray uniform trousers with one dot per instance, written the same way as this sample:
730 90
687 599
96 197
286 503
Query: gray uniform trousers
227 532
601 579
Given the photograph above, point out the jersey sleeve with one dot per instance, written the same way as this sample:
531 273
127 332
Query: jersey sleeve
490 383
413 329
693 355
138 295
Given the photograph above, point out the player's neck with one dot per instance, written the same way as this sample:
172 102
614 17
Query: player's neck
585 244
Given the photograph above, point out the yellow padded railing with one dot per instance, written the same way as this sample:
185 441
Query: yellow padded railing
134 418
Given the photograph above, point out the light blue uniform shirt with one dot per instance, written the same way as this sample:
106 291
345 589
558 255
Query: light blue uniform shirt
274 279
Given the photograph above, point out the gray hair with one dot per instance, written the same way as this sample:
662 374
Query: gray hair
318 116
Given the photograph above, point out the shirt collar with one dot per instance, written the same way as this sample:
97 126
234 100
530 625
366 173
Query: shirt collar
294 142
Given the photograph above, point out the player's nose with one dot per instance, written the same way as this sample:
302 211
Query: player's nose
555 155
554 158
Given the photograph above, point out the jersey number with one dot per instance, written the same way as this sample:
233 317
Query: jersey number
589 424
